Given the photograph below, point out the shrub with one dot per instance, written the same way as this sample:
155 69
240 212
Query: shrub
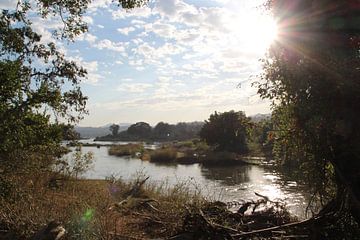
130 149
76 165
163 155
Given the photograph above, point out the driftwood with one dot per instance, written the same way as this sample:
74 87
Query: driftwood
260 231
135 191
215 221
52 231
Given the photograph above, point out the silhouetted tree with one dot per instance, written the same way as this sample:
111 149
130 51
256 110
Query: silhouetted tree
226 131
114 129
163 131
312 75
140 129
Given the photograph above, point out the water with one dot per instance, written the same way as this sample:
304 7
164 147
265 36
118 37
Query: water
233 183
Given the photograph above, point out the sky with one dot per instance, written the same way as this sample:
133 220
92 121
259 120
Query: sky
172 61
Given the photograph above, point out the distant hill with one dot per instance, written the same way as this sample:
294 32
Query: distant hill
93 132
260 116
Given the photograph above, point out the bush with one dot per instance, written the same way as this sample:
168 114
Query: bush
163 155
130 149
76 165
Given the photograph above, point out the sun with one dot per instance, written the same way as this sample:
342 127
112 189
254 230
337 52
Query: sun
255 31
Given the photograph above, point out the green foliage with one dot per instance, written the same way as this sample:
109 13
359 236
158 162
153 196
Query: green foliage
32 76
311 75
75 165
226 131
261 140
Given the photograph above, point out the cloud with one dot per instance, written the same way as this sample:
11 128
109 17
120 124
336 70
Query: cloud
143 12
93 77
88 37
96 4
89 20
134 87
114 46
8 4
126 30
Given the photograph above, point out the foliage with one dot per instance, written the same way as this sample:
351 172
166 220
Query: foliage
114 129
69 133
27 88
261 140
34 73
311 74
141 129
226 131
77 164
162 130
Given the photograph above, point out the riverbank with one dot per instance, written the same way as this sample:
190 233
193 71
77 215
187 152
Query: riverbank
115 209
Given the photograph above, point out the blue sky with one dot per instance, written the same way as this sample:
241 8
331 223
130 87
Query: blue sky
175 60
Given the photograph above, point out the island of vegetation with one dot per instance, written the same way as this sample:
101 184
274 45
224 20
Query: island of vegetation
226 138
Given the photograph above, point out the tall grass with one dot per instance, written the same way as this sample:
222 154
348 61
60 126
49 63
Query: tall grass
130 149
163 155
84 208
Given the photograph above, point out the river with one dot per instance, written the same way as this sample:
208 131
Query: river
233 183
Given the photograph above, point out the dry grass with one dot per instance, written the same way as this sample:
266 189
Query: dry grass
130 149
163 155
84 207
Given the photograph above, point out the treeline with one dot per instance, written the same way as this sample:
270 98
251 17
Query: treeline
142 131
236 133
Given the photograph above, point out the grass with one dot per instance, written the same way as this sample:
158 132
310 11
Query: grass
130 149
163 155
84 208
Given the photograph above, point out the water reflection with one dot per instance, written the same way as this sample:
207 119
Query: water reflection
220 183
227 175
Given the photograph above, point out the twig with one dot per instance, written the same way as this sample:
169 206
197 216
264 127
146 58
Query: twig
274 228
215 225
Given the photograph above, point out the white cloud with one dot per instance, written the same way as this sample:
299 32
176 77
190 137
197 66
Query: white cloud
134 87
143 12
89 20
126 30
8 4
93 77
87 37
96 4
107 44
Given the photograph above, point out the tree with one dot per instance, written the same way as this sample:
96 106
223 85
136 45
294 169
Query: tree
33 75
226 131
114 128
163 131
312 75
140 129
